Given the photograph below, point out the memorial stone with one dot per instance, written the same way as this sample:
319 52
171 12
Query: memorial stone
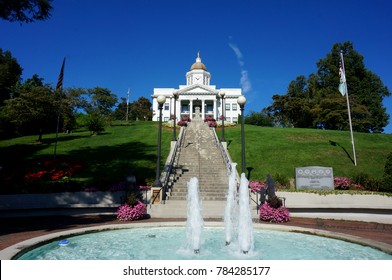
314 178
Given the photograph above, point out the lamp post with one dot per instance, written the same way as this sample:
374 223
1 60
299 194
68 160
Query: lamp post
241 101
175 95
222 95
158 184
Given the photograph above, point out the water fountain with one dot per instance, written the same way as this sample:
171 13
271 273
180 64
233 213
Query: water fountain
245 226
149 241
194 216
231 209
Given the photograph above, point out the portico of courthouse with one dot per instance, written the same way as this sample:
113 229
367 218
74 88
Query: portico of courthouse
198 93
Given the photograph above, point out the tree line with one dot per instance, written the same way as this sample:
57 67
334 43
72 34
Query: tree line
33 107
315 102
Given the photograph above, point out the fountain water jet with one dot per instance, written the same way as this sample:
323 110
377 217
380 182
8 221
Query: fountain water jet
194 217
231 209
245 226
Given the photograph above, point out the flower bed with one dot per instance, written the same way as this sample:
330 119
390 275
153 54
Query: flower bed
275 215
255 186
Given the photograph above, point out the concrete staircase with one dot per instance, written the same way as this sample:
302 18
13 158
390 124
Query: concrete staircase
199 156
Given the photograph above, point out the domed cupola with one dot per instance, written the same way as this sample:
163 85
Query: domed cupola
198 73
198 65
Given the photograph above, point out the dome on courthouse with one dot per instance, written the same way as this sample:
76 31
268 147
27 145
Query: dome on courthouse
198 65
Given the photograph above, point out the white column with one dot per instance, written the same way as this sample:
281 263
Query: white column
171 106
191 109
215 109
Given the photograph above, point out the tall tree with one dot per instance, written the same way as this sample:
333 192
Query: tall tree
34 110
25 10
121 110
259 118
140 109
10 72
100 108
102 100
315 102
72 102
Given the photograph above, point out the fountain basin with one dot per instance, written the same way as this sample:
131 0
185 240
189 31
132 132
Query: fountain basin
144 240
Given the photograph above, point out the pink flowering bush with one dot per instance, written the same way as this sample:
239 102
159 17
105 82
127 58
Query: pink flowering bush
342 183
212 123
255 186
182 123
127 212
275 215
144 188
208 118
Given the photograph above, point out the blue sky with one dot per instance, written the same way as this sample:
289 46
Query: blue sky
255 44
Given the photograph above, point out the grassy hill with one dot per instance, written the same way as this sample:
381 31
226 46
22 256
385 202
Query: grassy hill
280 150
123 147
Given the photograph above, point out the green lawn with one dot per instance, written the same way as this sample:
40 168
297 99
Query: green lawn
280 150
123 147
107 158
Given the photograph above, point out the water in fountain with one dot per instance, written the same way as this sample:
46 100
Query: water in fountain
194 216
245 226
231 210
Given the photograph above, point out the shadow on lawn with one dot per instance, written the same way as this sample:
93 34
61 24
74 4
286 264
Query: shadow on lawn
103 166
108 164
336 144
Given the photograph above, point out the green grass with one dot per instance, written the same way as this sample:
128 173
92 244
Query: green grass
123 147
109 157
280 150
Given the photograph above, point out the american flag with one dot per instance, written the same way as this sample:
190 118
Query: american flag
61 76
342 84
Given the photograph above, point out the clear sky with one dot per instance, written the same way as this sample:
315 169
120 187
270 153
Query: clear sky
141 44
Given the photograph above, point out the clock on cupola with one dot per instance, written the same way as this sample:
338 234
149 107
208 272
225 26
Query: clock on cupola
198 74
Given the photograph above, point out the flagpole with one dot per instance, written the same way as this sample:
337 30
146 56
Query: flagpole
349 111
59 89
126 117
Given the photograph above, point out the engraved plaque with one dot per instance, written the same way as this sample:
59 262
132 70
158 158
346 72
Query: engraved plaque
314 178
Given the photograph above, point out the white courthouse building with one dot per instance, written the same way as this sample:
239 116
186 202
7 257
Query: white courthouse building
198 93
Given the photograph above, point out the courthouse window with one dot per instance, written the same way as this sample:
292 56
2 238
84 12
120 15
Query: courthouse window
227 106
234 106
166 106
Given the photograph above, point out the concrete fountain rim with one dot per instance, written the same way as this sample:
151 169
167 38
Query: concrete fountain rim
15 250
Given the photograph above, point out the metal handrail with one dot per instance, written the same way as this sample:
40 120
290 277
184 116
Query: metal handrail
169 167
224 153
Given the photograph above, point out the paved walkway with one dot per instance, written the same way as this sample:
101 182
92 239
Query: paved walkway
17 229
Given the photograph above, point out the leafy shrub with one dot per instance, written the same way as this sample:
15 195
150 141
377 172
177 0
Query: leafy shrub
386 182
282 181
373 185
95 123
364 181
